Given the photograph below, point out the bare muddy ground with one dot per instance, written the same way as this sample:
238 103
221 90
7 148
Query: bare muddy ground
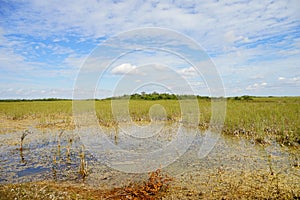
55 165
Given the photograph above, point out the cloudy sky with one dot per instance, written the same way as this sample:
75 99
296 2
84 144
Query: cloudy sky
254 45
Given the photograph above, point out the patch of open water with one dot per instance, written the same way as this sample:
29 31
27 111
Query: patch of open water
48 156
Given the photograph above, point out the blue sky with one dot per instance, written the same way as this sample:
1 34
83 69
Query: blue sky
255 45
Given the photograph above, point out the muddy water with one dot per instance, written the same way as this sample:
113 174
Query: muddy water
47 155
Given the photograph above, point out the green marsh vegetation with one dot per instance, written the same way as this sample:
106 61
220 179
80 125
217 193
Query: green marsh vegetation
261 119
265 119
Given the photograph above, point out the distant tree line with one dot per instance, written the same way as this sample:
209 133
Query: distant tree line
245 97
158 96
142 96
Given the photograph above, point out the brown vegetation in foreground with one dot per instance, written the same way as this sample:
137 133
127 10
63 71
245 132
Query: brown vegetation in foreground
152 189
222 184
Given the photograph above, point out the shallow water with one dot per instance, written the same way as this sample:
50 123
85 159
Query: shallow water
48 156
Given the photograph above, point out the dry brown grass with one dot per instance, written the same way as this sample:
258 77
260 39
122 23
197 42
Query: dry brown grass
152 189
225 184
222 184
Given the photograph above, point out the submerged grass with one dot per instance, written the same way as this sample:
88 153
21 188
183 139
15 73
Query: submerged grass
260 119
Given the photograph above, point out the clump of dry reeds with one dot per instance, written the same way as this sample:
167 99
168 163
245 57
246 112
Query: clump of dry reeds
83 168
149 190
24 134
59 137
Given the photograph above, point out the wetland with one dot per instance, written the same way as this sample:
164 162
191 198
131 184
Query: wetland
256 156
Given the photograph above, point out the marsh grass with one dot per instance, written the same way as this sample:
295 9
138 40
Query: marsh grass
83 167
251 185
264 119
260 119
24 134
68 151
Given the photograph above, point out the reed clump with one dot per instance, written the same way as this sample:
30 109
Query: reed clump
83 167
24 134
149 190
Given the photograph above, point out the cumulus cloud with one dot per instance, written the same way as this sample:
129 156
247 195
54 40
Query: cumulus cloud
264 84
189 72
125 68
291 80
257 86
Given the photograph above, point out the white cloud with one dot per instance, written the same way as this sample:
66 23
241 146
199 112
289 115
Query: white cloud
230 37
125 68
296 79
252 42
257 86
263 84
205 22
189 72
290 80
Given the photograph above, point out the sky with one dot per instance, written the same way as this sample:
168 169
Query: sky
44 45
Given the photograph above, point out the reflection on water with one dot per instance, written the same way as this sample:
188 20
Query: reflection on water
48 156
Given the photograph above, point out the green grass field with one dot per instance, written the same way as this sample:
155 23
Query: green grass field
261 119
